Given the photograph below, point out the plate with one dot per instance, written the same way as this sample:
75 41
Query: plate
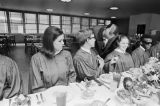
51 94
143 89
106 77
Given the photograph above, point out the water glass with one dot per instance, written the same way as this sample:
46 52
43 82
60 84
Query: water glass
61 98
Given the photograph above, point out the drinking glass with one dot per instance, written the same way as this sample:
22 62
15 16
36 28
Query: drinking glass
61 98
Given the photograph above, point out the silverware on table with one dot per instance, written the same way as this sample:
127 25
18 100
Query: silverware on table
29 103
79 87
100 83
106 101
10 102
41 95
38 101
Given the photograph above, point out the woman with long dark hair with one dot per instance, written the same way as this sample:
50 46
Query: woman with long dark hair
52 65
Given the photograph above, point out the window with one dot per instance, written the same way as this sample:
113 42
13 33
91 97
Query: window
30 23
66 24
55 21
75 24
101 22
85 23
43 22
107 22
3 22
16 22
93 22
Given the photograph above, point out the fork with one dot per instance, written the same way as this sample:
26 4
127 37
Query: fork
41 97
10 101
38 101
106 101
79 87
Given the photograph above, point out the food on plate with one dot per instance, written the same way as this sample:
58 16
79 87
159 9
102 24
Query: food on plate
97 103
21 100
142 89
88 93
124 96
106 77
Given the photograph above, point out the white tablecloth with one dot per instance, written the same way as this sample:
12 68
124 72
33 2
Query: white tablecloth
75 97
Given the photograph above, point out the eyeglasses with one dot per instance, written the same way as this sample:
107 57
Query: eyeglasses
91 37
147 42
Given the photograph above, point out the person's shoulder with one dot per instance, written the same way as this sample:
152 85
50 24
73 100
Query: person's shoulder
37 55
6 60
66 53
136 50
112 53
78 55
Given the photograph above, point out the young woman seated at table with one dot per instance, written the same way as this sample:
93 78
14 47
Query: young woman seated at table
119 60
10 81
87 63
52 65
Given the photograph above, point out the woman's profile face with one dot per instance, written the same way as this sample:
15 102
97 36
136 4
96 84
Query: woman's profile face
123 44
58 43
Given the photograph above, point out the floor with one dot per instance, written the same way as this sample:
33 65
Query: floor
22 59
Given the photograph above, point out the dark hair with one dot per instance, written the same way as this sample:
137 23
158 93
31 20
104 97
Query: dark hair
119 38
83 35
102 29
50 35
145 36
125 80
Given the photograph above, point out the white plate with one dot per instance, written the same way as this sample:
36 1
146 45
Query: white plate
51 93
106 77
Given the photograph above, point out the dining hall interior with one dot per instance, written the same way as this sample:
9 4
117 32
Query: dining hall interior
23 22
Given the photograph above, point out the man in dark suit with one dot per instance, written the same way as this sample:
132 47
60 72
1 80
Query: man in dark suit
105 39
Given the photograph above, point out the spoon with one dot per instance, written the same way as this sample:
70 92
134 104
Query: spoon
106 101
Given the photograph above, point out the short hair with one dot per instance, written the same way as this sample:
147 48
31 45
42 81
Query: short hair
50 35
83 35
125 81
145 36
114 30
119 38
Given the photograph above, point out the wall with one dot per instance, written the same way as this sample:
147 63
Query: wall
150 20
123 25
155 22
139 19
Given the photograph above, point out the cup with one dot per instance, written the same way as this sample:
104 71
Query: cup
61 98
113 86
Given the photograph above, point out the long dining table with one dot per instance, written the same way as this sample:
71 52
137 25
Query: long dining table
75 96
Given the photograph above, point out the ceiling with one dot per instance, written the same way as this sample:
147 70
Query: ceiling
96 8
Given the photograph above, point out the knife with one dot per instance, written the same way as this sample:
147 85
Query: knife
100 83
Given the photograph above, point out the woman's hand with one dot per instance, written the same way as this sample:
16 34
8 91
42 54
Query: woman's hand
114 60
100 61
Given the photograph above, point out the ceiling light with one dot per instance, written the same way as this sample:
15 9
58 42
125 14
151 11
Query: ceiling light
113 8
49 10
66 0
113 17
86 13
